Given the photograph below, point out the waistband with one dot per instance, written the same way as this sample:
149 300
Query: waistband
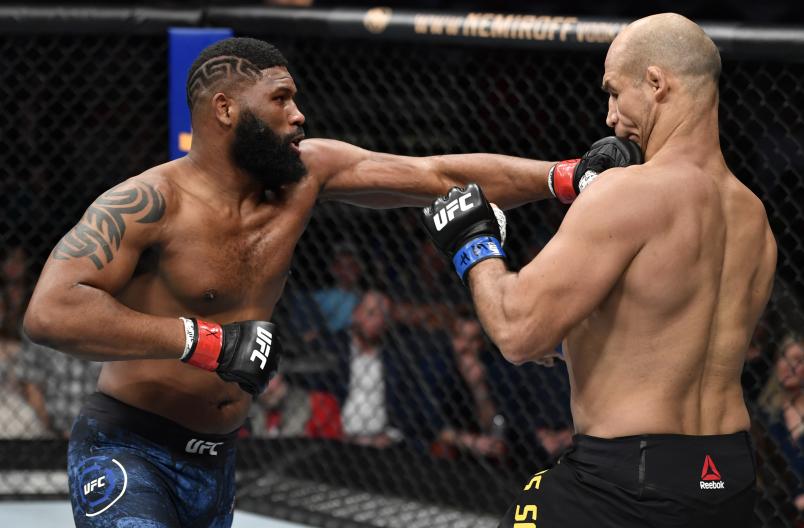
628 445
667 460
118 418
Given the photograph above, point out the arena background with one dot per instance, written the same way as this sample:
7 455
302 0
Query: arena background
86 106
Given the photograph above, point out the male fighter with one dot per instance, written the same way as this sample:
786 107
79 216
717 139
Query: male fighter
656 278
186 262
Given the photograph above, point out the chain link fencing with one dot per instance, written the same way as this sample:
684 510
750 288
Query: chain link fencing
439 430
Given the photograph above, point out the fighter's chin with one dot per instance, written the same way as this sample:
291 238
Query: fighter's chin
631 137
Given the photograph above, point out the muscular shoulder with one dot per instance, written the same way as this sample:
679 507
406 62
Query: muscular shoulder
616 181
139 206
156 182
747 215
626 194
125 219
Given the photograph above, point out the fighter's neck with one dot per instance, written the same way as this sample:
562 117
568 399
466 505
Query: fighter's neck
693 134
214 170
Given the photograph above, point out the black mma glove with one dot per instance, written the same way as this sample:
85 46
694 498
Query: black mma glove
246 352
465 227
568 178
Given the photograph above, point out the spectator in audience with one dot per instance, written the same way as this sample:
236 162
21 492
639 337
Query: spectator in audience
759 359
375 380
15 290
328 310
426 294
285 409
490 408
548 393
18 418
336 303
782 411
55 384
473 421
535 400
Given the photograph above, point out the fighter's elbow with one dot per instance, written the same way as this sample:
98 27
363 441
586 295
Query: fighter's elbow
521 347
513 347
34 324
514 357
41 325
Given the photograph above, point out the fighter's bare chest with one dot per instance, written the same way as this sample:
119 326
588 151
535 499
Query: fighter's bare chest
223 266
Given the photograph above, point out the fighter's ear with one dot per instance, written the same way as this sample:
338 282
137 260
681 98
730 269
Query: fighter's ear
657 80
224 108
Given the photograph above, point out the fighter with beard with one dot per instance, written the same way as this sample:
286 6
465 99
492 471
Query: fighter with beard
171 277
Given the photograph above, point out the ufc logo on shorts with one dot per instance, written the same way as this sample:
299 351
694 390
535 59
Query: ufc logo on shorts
448 213
94 483
263 346
196 446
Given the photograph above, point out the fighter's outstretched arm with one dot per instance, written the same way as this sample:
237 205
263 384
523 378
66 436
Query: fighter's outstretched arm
354 175
73 307
527 313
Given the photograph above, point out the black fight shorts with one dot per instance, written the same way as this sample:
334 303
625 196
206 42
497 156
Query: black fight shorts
643 481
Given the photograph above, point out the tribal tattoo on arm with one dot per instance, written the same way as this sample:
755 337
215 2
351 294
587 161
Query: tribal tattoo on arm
99 232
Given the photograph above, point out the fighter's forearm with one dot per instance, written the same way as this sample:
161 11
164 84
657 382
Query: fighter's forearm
520 336
505 180
89 323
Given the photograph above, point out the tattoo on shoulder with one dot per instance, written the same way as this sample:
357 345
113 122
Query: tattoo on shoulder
99 232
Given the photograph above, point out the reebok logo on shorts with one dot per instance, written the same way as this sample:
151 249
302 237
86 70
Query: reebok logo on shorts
710 476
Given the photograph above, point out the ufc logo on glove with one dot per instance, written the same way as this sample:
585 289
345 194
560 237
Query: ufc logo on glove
263 344
465 227
448 213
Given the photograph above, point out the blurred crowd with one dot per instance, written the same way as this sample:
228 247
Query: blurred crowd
402 367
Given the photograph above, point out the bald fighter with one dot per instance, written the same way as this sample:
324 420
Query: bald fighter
655 280
171 278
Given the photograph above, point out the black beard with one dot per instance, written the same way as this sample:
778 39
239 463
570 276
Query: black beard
265 155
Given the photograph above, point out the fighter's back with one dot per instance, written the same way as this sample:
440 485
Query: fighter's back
663 353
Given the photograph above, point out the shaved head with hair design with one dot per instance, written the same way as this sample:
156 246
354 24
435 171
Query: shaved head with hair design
229 62
240 93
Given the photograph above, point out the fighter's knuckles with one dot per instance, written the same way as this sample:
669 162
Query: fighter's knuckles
454 193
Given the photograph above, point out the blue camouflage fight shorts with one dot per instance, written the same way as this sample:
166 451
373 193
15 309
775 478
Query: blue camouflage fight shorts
129 468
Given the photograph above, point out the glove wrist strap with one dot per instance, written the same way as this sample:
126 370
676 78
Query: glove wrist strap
203 343
560 180
474 251
190 331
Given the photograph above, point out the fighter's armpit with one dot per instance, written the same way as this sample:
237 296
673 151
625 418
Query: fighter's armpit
100 231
